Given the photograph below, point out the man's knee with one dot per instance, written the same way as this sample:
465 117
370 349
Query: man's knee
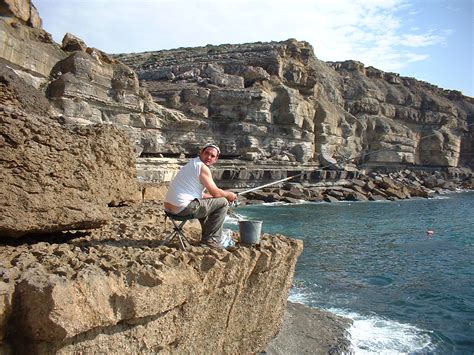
222 201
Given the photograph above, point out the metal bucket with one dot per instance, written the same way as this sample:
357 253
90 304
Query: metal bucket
250 231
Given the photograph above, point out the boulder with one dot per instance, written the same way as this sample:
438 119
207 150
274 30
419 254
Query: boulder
387 183
55 178
16 8
375 197
72 43
336 194
390 192
356 196
329 198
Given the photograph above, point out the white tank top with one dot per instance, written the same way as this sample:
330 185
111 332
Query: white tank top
186 186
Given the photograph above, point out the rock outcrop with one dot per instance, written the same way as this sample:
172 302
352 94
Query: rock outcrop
29 49
90 87
310 331
406 121
116 290
79 272
23 11
53 177
276 100
81 276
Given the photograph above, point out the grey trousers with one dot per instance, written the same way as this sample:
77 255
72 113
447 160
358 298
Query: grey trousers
211 213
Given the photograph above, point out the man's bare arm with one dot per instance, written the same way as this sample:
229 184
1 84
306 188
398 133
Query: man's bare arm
208 182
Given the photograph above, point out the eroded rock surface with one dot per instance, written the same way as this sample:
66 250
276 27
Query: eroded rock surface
22 10
277 101
117 289
30 50
54 177
407 120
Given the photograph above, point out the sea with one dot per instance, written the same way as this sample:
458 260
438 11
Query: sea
403 271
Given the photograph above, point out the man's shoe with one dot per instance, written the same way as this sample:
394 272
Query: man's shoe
213 243
231 248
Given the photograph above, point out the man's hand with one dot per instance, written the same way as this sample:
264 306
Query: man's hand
231 197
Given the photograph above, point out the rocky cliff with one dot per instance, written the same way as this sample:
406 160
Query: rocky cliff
55 177
82 263
271 101
115 289
81 270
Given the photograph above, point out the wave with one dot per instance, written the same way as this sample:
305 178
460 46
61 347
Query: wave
441 197
374 334
281 203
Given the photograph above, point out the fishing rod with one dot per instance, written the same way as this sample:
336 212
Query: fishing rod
330 165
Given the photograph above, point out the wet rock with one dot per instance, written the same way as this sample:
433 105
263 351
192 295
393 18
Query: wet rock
329 198
356 196
310 331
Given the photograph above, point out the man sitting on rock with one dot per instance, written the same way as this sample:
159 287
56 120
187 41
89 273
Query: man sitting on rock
186 195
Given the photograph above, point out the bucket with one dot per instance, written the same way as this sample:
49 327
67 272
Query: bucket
250 232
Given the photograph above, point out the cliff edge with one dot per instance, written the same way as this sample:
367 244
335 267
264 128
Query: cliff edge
82 265
117 289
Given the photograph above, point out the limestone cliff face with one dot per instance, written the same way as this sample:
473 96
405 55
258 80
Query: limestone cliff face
84 85
255 100
419 123
90 87
264 102
109 286
271 100
29 48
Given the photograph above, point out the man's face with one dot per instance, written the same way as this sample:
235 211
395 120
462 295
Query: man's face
209 156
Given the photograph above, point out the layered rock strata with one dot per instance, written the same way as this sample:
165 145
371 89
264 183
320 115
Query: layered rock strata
260 101
255 100
29 49
22 10
277 101
116 290
53 177
90 87
405 120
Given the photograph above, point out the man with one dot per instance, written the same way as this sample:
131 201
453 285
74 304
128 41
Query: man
186 195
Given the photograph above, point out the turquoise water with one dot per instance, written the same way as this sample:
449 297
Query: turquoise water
406 291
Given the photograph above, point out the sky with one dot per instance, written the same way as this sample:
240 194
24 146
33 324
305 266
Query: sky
430 40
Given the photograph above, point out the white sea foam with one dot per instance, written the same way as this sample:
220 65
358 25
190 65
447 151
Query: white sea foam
281 203
298 297
374 335
441 197
300 293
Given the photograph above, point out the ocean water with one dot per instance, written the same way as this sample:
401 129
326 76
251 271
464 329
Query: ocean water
406 290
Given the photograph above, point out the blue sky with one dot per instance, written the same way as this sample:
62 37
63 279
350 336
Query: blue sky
430 40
